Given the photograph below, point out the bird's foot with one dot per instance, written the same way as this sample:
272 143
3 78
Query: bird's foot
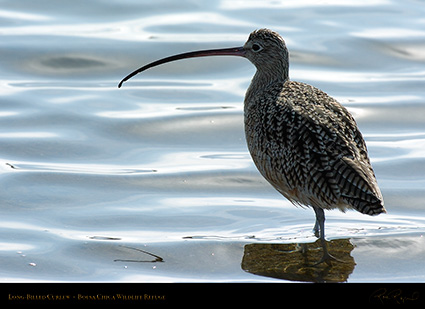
328 258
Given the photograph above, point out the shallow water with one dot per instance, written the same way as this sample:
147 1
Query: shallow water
153 182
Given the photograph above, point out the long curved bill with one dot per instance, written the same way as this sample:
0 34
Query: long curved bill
235 51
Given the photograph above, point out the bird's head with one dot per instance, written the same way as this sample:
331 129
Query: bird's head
267 50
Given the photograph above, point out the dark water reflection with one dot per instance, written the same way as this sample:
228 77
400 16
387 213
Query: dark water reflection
296 262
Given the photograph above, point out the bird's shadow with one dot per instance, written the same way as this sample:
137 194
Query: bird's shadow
296 262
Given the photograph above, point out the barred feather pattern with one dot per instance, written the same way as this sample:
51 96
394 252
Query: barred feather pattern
308 147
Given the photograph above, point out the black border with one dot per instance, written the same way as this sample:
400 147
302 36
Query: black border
157 294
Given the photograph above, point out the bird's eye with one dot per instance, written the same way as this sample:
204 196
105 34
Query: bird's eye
256 47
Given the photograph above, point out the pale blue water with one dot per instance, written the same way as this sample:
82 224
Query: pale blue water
89 170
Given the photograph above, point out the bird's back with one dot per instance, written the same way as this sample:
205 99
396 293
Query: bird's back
309 148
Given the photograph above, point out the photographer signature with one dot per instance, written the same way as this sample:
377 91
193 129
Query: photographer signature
393 296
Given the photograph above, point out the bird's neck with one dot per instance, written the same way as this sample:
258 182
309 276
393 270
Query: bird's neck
261 81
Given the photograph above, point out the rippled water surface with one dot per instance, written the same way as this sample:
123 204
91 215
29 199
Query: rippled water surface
153 182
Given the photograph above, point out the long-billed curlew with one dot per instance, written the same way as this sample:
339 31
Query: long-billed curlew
303 142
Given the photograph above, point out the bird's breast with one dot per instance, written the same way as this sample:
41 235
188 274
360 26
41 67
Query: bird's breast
265 133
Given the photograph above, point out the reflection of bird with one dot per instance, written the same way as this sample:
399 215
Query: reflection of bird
302 141
286 261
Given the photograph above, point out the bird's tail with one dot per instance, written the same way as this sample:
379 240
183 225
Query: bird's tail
359 187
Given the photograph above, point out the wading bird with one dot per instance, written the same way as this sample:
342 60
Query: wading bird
303 142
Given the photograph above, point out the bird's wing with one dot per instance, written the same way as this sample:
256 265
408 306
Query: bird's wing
330 151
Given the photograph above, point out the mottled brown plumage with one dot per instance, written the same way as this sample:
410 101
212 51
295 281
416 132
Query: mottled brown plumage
303 142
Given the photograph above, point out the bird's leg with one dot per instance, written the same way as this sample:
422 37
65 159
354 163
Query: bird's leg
316 229
320 227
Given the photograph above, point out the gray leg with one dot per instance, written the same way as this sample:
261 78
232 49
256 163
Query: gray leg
320 222
316 229
320 227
